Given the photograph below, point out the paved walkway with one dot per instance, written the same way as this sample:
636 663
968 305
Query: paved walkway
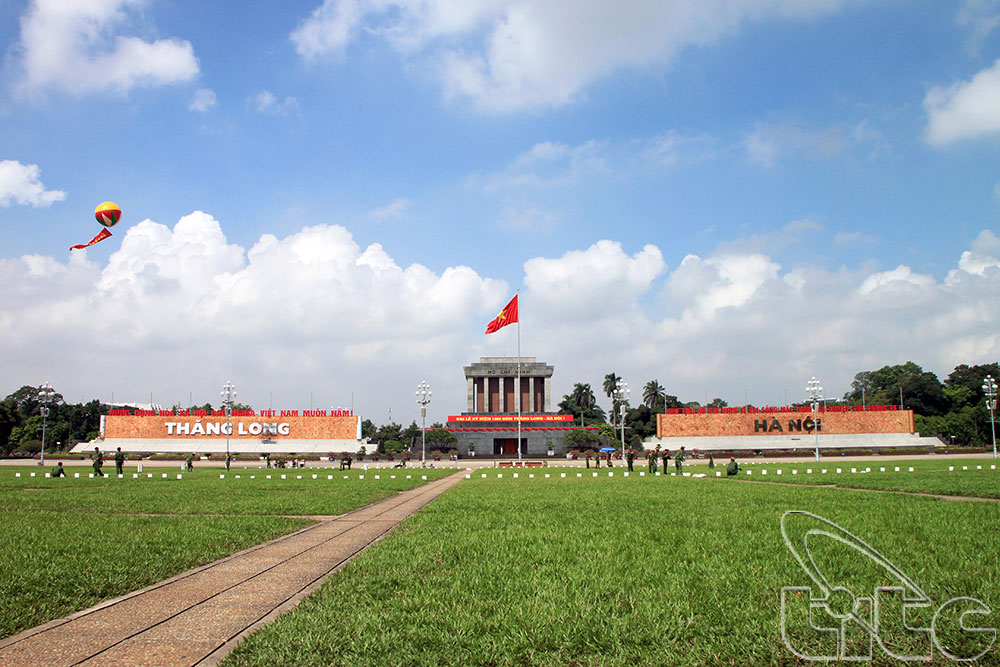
197 617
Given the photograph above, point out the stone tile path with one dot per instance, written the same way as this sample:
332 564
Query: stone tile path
197 617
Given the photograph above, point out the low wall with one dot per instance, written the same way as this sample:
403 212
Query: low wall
783 423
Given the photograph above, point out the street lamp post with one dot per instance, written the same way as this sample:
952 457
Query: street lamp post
228 394
990 389
815 392
423 398
45 396
621 396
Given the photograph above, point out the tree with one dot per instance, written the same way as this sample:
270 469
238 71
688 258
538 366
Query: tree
610 386
653 393
581 439
581 403
717 403
439 438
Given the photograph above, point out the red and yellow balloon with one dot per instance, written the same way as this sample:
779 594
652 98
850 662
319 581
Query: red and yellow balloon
108 213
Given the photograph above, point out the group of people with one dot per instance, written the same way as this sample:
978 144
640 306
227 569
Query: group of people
97 463
663 457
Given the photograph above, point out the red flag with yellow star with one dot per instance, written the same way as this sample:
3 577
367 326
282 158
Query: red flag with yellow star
507 316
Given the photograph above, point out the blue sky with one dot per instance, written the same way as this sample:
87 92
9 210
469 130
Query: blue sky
334 197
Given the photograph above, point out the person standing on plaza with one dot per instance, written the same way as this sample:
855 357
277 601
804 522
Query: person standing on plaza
98 462
651 460
119 460
679 459
189 463
664 459
711 460
630 457
229 460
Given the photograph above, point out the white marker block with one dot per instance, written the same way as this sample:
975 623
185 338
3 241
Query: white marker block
179 476
47 475
993 467
135 475
881 469
687 474
531 476
868 469
499 475
392 477
748 472
149 475
120 476
839 471
642 474
579 474
237 477
315 476
17 474
673 474
300 476
911 469
795 472
361 476
32 474
897 468
423 477
718 474
611 474
951 468
468 477
809 471
407 477
546 475
965 467
164 475
76 474
267 477
657 473
484 476
91 475
283 477
625 474
853 470
823 471
779 471
595 474
763 472
979 467
222 476
515 476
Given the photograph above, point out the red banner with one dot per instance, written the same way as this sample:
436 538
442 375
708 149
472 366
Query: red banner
101 235
510 418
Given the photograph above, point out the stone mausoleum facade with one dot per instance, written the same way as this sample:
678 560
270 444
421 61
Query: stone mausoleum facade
488 426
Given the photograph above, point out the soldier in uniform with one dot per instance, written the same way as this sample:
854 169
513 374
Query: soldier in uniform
119 460
711 460
229 459
98 462
190 462
630 457
651 460
59 471
733 468
679 459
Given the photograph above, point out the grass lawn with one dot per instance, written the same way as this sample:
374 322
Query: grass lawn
649 571
938 476
71 543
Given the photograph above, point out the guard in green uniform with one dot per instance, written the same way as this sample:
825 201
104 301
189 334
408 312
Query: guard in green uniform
665 458
59 471
651 461
190 462
630 457
119 460
679 459
98 462
267 460
733 468
711 460
229 459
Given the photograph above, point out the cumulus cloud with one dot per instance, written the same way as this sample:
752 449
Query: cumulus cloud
79 47
202 100
22 184
509 55
980 18
181 309
266 103
964 110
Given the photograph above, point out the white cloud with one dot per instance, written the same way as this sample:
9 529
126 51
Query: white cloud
547 164
266 103
79 47
181 309
768 144
392 211
964 110
21 183
509 55
980 18
202 100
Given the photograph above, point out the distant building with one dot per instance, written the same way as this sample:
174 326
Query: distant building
488 427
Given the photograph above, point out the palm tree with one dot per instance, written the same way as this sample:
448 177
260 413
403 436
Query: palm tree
653 392
583 396
610 385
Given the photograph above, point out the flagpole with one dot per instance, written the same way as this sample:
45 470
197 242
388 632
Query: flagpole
519 383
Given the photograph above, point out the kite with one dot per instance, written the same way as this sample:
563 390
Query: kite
108 214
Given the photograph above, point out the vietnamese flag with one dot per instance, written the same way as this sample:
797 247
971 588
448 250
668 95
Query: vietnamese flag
507 316
103 234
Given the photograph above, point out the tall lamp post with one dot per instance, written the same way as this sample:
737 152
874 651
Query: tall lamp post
228 394
45 395
621 396
990 389
423 398
815 392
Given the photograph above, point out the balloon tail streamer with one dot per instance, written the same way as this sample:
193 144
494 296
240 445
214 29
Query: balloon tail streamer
101 235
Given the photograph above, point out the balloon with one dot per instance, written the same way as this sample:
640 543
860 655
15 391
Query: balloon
108 213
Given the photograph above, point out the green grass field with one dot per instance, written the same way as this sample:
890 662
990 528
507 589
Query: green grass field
74 542
616 571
